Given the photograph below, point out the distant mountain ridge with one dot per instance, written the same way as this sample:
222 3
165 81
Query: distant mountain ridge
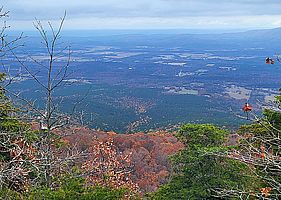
266 38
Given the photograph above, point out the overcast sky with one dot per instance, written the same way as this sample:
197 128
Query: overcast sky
148 14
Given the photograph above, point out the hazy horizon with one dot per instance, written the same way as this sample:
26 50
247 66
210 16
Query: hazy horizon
111 32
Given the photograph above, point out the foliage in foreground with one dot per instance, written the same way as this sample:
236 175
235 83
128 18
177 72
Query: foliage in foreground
16 151
198 173
18 159
71 188
260 147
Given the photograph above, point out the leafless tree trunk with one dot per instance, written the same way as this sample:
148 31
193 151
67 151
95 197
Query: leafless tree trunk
50 118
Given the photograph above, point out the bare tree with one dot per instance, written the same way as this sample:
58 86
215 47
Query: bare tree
40 156
50 72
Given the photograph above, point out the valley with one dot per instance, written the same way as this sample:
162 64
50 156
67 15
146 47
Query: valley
142 82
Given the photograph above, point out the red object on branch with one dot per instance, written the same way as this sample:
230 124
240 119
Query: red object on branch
269 61
247 107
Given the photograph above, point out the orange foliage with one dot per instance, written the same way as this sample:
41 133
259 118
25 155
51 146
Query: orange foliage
21 152
147 153
265 191
262 155
22 148
108 167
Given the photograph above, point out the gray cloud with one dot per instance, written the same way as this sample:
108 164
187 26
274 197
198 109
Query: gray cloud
24 10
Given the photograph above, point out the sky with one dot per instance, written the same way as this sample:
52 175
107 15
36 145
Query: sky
146 14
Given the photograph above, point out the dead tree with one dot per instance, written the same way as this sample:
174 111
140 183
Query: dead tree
55 67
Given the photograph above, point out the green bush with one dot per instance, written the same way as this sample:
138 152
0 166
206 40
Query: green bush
197 173
70 189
